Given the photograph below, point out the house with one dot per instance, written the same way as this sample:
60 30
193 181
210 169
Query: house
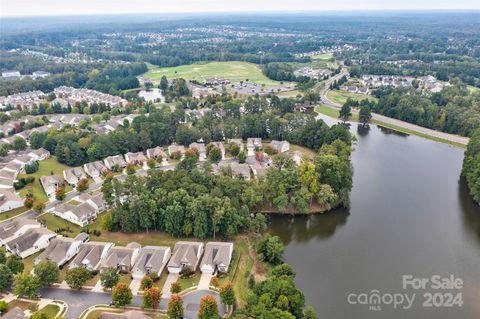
15 313
6 174
94 199
217 257
241 169
135 158
6 184
132 314
16 228
151 259
95 169
202 152
30 243
252 145
14 167
186 255
81 215
122 258
258 169
221 146
11 74
280 146
50 184
9 200
115 161
61 250
237 141
23 160
156 152
40 74
73 175
176 148
91 255
39 154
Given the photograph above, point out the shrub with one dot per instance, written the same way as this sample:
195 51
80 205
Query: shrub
175 288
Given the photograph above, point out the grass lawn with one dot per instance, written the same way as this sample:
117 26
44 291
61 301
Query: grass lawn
234 71
240 272
24 305
189 282
29 262
328 111
12 213
45 167
341 97
50 310
304 150
324 57
292 93
95 314
125 279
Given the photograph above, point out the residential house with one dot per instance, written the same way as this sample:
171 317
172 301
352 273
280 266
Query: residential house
202 152
94 199
258 169
253 144
115 161
16 228
81 215
14 167
151 259
61 250
221 146
23 160
157 152
73 175
280 146
39 154
9 200
132 314
40 74
237 141
50 183
186 255
95 169
6 184
6 174
135 158
91 255
122 258
217 257
30 243
15 313
172 149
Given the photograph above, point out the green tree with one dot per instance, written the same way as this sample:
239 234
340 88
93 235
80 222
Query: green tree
77 277
82 185
60 193
146 283
3 256
109 277
175 307
38 315
175 288
15 264
121 295
151 297
365 114
47 272
271 249
26 285
208 308
345 112
227 295
19 144
6 277
4 307
163 83
310 313
215 154
242 157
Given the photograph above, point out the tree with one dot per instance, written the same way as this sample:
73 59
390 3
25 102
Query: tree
175 288
365 114
227 295
214 281
121 295
146 283
283 270
26 285
38 206
47 272
39 315
271 249
215 154
19 144
242 157
163 83
3 256
3 307
310 313
60 193
175 307
151 297
208 308
109 278
345 112
77 277
15 264
82 185
6 277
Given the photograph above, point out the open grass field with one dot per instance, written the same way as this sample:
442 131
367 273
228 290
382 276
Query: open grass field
50 310
12 213
234 71
46 167
341 97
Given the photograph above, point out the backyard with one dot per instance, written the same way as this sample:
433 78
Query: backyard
341 97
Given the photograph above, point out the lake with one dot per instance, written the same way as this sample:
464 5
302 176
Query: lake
410 214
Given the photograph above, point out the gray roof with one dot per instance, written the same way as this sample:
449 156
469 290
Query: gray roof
200 147
119 256
150 259
217 254
56 250
91 251
8 228
15 313
26 241
185 253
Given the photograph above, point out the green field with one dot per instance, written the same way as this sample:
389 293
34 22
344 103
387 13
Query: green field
46 167
341 97
234 71
50 310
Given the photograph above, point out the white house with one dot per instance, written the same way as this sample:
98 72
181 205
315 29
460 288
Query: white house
186 255
81 215
16 228
39 154
61 250
115 161
202 152
95 169
135 158
280 146
253 144
50 184
94 199
9 200
30 243
73 175
91 255
151 259
217 257
121 258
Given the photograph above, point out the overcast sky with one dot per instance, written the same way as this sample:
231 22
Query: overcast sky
80 7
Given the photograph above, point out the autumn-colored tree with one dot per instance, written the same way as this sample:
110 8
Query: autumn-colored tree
175 288
214 281
259 156
60 193
121 295
175 307
151 297
82 185
208 308
227 295
146 283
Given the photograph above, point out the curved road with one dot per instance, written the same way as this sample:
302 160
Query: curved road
388 120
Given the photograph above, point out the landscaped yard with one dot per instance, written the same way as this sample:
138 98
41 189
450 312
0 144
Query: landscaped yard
328 111
24 305
12 213
50 310
46 167
341 97
95 314
189 282
234 71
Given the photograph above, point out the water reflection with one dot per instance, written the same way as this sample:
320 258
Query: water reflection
470 209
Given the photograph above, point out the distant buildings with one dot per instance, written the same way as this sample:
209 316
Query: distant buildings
90 96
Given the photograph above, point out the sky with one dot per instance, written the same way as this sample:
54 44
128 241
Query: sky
85 7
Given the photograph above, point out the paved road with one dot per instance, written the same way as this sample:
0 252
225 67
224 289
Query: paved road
409 126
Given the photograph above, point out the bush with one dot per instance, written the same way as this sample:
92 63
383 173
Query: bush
175 288
31 168
3 307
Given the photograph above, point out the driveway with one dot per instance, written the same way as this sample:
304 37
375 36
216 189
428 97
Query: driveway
204 281
171 278
135 285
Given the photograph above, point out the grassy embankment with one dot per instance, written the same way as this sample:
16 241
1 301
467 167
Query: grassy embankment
325 110
341 97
